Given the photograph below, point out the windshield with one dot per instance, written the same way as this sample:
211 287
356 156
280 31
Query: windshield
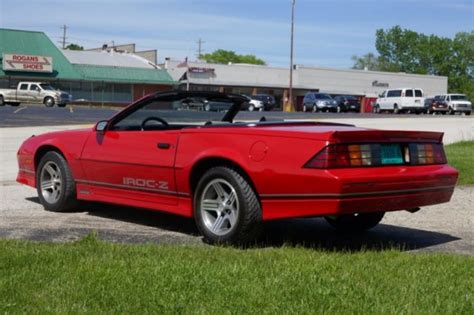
323 97
178 110
459 97
47 87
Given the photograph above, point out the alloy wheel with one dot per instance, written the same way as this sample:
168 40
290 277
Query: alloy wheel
219 207
51 182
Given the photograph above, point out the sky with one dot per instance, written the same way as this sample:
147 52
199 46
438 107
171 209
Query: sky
327 32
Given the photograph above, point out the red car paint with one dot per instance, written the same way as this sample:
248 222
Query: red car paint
130 168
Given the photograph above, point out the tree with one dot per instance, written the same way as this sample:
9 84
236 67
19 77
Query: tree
403 50
368 61
225 56
74 47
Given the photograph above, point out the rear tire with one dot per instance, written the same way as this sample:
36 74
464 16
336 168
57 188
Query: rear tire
396 110
355 222
55 184
2 101
226 208
468 113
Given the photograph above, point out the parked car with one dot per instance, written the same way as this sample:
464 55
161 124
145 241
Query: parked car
347 103
435 105
319 102
457 103
400 100
34 92
268 100
230 176
254 104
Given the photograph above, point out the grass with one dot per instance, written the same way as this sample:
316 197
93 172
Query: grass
461 156
91 276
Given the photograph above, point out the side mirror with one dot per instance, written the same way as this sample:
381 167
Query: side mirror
101 126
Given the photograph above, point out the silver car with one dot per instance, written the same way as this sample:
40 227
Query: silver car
319 102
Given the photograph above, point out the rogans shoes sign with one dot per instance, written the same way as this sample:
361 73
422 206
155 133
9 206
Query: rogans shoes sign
29 63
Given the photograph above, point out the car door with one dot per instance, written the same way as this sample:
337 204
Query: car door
35 93
132 163
23 93
383 102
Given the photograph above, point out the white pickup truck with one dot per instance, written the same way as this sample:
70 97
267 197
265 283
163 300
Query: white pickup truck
34 92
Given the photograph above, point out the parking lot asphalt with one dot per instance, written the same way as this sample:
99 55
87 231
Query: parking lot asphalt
38 115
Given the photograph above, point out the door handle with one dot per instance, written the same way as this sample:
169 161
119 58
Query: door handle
163 146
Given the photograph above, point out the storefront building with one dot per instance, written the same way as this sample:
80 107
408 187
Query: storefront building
89 76
253 79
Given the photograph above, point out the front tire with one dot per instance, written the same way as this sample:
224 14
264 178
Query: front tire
376 109
55 183
357 222
48 101
226 208
2 101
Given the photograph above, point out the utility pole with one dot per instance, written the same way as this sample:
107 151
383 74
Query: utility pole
64 35
290 106
199 52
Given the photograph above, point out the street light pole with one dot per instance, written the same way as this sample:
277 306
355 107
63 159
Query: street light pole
290 96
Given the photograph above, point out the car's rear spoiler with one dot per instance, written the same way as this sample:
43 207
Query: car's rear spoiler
359 136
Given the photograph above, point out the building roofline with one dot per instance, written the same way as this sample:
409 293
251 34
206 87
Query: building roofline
23 31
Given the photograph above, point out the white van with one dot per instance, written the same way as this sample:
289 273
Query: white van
400 100
457 103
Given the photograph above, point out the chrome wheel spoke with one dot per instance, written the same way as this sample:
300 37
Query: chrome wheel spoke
217 226
55 194
52 172
47 184
210 205
231 199
219 190
232 218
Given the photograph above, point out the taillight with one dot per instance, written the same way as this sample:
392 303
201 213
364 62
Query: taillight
421 153
364 155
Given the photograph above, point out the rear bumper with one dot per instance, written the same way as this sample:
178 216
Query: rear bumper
310 206
355 193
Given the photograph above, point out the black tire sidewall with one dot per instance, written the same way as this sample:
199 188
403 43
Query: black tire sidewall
238 234
68 192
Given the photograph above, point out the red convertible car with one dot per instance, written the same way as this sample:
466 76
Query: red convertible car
165 153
